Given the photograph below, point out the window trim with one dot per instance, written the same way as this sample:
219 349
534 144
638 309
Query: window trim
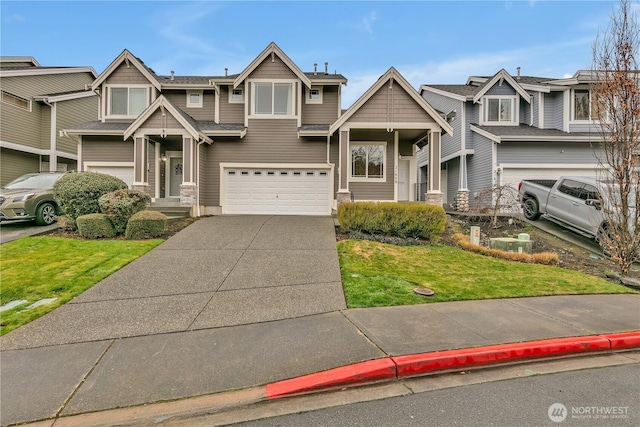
514 110
384 161
239 100
309 100
294 105
29 106
572 107
109 100
200 96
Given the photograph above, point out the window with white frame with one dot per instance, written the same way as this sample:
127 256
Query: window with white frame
128 101
194 99
16 101
584 107
314 95
500 110
236 95
368 161
273 98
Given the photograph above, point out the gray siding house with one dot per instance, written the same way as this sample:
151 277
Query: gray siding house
509 128
37 103
271 139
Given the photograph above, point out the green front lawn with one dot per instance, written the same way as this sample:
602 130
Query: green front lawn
376 274
35 268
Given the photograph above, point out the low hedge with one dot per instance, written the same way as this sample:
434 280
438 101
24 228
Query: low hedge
95 226
146 225
546 258
414 220
120 205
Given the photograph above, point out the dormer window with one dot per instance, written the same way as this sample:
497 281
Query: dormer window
274 99
236 95
500 110
128 101
194 99
314 95
584 108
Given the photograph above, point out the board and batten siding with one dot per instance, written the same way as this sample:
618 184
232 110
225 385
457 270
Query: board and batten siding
325 113
106 149
124 75
449 143
472 115
206 112
480 167
266 141
70 114
553 110
15 163
231 113
501 89
156 121
553 152
272 70
403 109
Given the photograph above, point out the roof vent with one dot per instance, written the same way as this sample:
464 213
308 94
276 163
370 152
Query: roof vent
226 72
172 75
326 68
315 69
518 69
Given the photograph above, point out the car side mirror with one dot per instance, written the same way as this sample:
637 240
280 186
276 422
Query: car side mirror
593 202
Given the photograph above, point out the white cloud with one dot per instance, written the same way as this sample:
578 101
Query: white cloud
13 18
366 23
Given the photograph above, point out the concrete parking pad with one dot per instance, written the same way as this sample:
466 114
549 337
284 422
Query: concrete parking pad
218 233
295 238
161 367
93 321
37 382
241 307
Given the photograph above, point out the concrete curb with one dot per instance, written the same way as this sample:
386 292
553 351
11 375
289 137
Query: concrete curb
397 367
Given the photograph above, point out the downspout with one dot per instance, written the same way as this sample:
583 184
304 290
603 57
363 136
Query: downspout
53 156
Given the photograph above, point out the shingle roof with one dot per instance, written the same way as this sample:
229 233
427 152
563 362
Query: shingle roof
314 127
98 125
464 90
529 131
209 126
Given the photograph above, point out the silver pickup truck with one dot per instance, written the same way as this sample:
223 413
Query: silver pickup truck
573 202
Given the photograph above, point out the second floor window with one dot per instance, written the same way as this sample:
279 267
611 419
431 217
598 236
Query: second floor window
273 99
584 107
128 101
500 110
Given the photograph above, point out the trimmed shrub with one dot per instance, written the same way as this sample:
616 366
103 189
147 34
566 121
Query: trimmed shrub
95 226
146 225
414 220
78 193
120 205
66 223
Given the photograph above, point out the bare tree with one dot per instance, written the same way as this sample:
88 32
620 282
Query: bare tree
615 105
499 199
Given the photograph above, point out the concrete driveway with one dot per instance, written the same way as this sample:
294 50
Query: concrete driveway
220 271
14 230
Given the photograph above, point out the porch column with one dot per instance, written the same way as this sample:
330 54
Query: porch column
462 198
343 195
188 190
140 166
434 194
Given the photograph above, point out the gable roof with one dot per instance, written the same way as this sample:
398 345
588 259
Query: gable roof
269 50
129 58
392 73
187 122
499 77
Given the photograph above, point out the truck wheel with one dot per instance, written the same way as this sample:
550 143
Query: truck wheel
46 214
530 209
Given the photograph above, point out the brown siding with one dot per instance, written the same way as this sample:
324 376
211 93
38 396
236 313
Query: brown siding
374 190
45 126
334 157
70 114
405 109
208 110
126 75
152 162
15 163
230 113
272 70
106 149
155 121
325 113
267 141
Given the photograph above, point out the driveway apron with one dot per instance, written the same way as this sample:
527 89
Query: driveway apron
220 271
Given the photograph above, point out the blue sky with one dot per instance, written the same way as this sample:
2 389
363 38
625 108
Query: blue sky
427 41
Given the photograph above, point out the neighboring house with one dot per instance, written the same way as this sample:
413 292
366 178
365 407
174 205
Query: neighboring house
509 128
37 103
269 140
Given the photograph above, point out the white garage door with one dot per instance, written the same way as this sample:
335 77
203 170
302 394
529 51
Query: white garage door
277 191
514 175
125 173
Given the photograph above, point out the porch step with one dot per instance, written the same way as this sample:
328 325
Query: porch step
172 211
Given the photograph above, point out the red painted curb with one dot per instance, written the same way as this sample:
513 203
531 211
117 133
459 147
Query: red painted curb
373 370
417 364
623 340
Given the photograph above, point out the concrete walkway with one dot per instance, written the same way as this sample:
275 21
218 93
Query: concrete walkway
236 302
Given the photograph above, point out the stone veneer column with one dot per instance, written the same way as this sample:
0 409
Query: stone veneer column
434 199
462 201
142 187
188 194
343 196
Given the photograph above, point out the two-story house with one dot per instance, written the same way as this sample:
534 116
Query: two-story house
271 139
37 103
509 128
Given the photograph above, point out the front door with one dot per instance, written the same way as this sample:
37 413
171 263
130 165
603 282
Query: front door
403 180
174 175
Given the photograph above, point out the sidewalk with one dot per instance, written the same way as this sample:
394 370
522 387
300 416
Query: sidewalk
240 303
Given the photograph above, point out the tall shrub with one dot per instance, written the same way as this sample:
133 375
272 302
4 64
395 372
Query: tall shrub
78 193
120 205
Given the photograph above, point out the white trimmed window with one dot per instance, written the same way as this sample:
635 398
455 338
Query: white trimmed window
16 101
274 99
236 95
128 101
583 109
368 161
194 99
500 110
314 95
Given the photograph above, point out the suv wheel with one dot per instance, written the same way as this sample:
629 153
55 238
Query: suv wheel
46 214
